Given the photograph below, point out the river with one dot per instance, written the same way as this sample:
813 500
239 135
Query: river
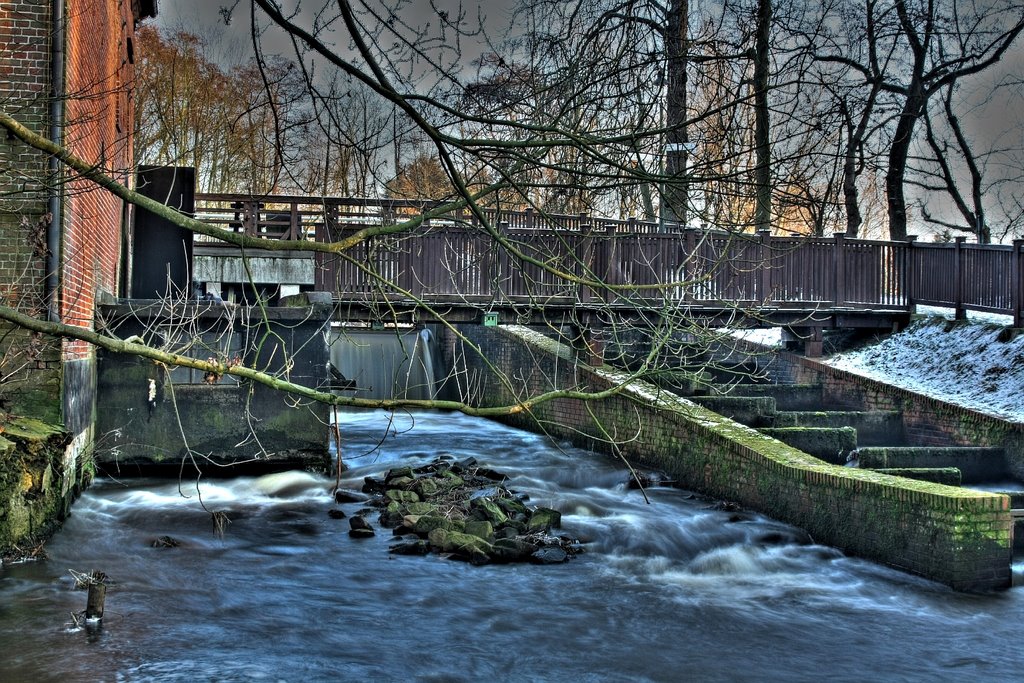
670 591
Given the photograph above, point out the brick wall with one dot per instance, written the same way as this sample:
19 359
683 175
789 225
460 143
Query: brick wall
30 363
958 537
99 115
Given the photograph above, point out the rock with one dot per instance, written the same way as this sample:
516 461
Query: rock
417 547
165 542
336 514
427 523
460 545
425 487
398 473
467 464
487 509
400 496
420 508
373 485
512 506
480 529
450 480
359 528
513 549
543 519
343 496
399 482
490 474
549 555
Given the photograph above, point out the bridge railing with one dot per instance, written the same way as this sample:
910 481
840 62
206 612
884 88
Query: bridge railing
451 258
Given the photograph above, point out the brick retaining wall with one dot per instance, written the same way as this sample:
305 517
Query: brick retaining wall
958 537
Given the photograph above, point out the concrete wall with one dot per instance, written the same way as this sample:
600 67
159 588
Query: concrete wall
958 537
209 425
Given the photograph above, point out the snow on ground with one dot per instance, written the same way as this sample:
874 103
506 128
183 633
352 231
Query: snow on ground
963 363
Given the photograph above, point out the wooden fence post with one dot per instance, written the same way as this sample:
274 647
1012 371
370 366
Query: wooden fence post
766 267
958 278
502 277
689 263
590 258
839 267
1017 279
910 274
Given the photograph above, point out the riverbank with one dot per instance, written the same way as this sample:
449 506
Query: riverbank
35 491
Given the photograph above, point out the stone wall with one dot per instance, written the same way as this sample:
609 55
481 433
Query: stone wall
958 537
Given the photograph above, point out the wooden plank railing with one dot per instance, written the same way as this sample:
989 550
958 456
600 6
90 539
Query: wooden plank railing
451 257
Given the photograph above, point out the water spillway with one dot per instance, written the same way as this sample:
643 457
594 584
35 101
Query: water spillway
384 364
683 588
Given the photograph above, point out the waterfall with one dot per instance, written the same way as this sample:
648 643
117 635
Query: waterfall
385 364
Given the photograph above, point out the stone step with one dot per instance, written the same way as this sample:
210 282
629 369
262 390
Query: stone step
950 476
976 464
753 411
831 444
874 428
787 396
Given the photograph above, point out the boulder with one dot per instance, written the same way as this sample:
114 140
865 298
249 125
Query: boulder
544 519
344 496
359 527
480 528
551 554
487 509
400 496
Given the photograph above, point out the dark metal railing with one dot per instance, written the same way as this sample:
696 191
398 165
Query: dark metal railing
451 257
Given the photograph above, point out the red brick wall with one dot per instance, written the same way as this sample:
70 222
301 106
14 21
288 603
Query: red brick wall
99 120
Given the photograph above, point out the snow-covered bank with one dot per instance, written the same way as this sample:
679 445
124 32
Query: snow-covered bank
963 363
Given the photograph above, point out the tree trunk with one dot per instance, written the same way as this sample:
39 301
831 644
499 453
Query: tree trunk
762 170
676 141
898 153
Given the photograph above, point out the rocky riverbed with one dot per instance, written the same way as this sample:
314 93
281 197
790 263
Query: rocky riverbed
459 510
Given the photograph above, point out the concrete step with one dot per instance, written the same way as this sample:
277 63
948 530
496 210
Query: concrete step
831 444
976 464
874 428
753 411
787 396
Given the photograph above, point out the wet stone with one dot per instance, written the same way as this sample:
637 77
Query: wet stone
549 555
345 496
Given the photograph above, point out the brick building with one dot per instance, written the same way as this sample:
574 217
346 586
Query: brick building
66 72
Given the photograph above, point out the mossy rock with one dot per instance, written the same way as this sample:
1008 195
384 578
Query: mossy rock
543 519
400 496
487 509
460 545
480 528
425 487
420 508
427 523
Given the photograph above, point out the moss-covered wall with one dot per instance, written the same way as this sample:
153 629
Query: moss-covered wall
33 498
958 537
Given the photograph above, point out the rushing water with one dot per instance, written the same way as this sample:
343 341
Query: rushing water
670 591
